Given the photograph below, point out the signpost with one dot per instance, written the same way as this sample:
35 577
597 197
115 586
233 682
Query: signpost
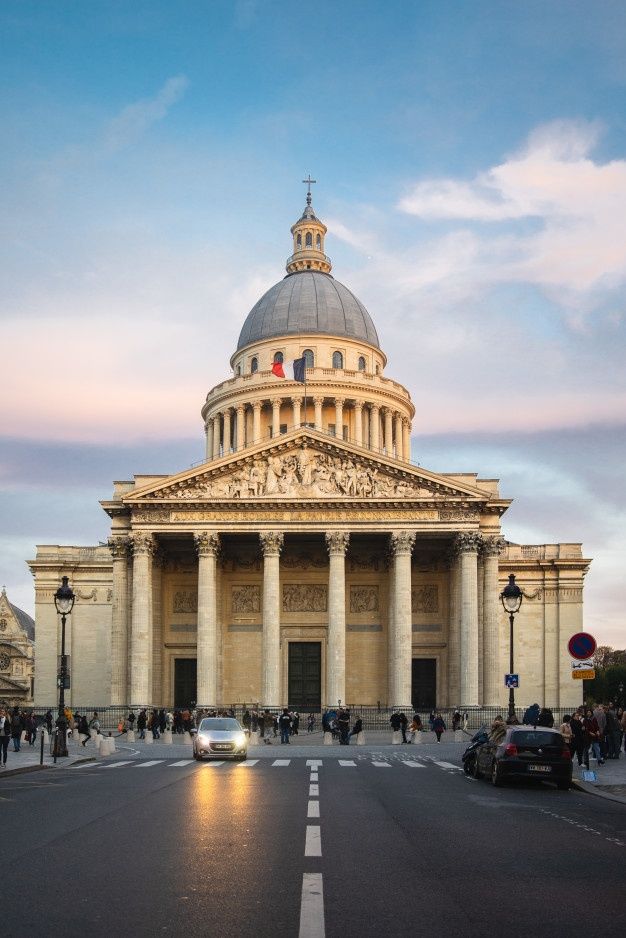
582 646
511 680
583 670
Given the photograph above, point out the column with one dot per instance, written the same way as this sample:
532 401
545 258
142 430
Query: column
391 625
156 634
406 426
388 431
227 432
317 403
271 544
276 416
141 622
358 423
399 438
209 438
454 630
468 545
375 427
241 427
119 547
339 417
256 422
296 403
217 427
401 651
492 548
207 546
337 544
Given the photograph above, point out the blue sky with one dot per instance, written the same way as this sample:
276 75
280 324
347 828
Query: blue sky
471 167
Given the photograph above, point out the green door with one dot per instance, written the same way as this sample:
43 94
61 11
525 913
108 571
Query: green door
185 682
305 675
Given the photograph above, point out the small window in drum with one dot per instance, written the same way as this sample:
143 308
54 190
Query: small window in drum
337 360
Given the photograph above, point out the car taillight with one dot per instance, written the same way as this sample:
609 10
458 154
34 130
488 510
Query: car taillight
566 754
510 750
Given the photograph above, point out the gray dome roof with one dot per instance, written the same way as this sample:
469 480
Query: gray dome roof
304 302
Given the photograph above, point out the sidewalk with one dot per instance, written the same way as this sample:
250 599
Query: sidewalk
610 779
27 759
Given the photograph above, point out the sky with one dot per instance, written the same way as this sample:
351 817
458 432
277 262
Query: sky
470 160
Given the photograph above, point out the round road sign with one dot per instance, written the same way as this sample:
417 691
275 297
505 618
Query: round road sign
581 646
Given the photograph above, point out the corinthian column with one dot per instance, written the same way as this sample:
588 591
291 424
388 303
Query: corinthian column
398 435
276 402
492 548
317 404
209 439
241 428
217 429
119 620
207 546
468 545
337 544
406 436
271 544
339 417
256 422
375 427
141 623
454 629
227 432
296 404
388 431
358 423
402 641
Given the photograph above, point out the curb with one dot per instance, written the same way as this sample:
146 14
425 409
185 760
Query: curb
590 790
20 771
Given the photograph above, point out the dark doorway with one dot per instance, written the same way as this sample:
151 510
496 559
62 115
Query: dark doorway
305 675
424 683
185 682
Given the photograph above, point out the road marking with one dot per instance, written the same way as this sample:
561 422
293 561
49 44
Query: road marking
248 763
116 765
413 765
281 761
347 762
182 762
83 765
214 763
382 765
314 809
146 765
447 765
314 763
314 791
314 777
313 845
312 907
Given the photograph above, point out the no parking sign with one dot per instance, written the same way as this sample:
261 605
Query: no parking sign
582 646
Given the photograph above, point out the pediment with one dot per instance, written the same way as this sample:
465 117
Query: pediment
309 466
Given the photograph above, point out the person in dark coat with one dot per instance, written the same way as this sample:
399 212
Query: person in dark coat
142 721
285 726
357 728
17 725
577 741
162 720
343 722
439 727
396 721
5 735
532 715
83 730
403 725
545 718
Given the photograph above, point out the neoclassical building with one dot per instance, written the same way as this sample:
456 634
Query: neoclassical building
307 560
17 653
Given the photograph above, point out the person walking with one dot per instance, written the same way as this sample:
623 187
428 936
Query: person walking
310 723
154 724
31 729
285 726
592 739
48 721
142 720
403 725
5 735
396 721
296 722
83 730
17 725
356 729
343 722
577 741
545 718
531 715
439 727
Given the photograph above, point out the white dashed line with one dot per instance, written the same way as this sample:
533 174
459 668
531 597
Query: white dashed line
248 763
382 765
182 762
147 765
312 907
314 791
281 762
347 762
214 764
314 777
314 763
314 809
116 765
313 844
447 765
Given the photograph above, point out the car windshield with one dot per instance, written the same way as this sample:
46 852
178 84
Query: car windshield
532 738
227 723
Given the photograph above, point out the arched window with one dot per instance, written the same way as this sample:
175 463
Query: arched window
278 358
309 239
377 369
238 369
318 243
361 363
254 365
337 360
299 240
309 358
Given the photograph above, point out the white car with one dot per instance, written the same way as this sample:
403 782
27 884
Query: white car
220 738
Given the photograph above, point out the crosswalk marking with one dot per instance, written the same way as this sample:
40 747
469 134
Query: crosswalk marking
281 761
314 791
447 765
413 765
314 763
382 765
313 809
182 762
214 762
146 765
117 765
347 762
249 762
277 763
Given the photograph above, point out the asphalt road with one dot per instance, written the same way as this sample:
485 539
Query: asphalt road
150 847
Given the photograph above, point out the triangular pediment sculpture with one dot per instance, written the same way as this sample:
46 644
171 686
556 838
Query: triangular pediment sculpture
304 465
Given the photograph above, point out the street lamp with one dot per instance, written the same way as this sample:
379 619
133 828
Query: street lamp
621 693
64 601
511 597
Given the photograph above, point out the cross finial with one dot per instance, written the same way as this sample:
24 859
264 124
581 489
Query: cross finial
308 182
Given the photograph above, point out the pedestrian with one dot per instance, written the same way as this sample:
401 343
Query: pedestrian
415 727
600 718
268 723
623 726
48 721
403 725
498 730
396 721
154 724
17 725
356 729
142 721
94 723
254 721
592 739
613 733
431 720
566 731
545 718
5 735
577 743
310 723
262 725
162 720
343 723
246 720
31 729
83 730
456 720
531 715
439 726
296 722
285 726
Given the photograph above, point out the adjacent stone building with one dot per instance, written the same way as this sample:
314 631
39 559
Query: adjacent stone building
307 560
17 654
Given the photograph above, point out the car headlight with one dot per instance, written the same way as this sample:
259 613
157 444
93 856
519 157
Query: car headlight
204 739
240 739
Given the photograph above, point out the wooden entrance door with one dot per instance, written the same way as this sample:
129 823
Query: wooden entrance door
305 675
185 682
424 683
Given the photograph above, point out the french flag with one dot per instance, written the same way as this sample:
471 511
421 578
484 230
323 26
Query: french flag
297 367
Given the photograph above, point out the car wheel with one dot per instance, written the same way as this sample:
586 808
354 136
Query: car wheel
466 767
476 773
496 775
563 786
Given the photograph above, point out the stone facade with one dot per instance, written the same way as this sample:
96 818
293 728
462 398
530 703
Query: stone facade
307 559
17 654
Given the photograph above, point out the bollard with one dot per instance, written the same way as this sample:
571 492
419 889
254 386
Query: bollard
130 736
254 738
417 737
75 735
23 736
41 746
459 736
360 738
187 738
167 737
93 733
46 735
111 744
328 739
149 738
396 738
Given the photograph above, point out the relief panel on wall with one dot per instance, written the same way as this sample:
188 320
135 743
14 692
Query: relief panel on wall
364 599
298 597
185 601
246 599
425 598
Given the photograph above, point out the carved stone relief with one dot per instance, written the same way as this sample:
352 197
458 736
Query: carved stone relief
364 563
246 599
425 598
298 597
364 599
303 561
185 601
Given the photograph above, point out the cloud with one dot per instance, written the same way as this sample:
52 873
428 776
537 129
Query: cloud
135 119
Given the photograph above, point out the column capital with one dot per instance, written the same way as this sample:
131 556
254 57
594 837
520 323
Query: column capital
339 400
406 423
358 405
401 542
277 401
271 542
142 542
318 400
467 542
119 547
296 400
337 542
493 546
240 408
375 408
385 411
256 405
207 543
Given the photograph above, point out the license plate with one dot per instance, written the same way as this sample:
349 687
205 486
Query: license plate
539 768
222 746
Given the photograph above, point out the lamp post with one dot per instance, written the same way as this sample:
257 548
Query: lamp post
64 601
621 693
511 597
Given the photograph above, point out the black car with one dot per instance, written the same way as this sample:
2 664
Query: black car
525 752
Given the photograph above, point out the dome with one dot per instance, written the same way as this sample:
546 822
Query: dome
308 302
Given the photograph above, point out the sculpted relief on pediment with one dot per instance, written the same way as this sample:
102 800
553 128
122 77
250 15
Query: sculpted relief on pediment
300 474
